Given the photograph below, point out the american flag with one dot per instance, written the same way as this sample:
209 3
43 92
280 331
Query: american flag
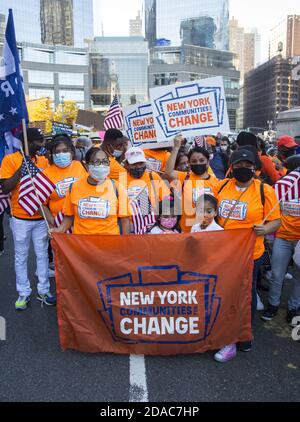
59 219
200 141
114 117
43 187
4 201
288 188
142 213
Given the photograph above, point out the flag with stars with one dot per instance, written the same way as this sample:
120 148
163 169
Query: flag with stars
143 216
114 117
12 98
35 188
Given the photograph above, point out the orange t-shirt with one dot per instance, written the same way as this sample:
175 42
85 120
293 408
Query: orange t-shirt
156 189
62 178
115 169
193 187
290 221
96 209
10 164
156 160
249 211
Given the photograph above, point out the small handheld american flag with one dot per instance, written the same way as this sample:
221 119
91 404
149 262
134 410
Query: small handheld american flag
59 219
142 213
31 197
288 188
4 201
114 117
200 141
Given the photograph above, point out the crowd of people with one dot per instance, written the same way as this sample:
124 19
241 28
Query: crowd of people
190 188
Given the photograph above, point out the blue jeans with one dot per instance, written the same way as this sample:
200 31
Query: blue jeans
283 251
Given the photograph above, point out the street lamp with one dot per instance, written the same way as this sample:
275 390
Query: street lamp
63 108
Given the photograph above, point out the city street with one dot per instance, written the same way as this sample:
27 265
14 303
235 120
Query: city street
33 367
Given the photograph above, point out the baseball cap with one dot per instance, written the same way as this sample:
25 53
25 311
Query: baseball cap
242 155
246 138
135 155
287 141
33 134
211 141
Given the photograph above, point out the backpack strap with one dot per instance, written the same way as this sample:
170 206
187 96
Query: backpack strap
223 186
115 188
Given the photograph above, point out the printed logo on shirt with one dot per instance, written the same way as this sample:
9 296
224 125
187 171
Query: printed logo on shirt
197 192
153 164
63 186
93 208
239 213
134 191
291 208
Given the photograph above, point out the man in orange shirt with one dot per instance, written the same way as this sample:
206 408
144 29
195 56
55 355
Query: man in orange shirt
115 144
25 227
284 246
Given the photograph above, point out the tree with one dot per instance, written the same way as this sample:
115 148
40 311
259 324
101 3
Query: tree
40 110
69 109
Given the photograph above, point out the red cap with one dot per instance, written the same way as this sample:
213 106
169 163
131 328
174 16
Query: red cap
286 141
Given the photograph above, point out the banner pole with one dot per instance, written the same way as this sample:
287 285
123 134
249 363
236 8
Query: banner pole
25 137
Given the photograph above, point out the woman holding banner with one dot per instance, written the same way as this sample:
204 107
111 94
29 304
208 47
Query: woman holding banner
94 204
63 171
192 185
246 203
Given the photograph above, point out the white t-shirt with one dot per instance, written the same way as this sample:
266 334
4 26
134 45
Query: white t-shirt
211 228
158 230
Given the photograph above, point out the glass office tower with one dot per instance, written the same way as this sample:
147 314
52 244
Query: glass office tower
203 22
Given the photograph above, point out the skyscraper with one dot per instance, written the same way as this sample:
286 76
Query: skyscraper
174 19
136 26
285 37
66 22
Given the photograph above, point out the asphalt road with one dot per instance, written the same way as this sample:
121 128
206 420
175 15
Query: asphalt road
33 367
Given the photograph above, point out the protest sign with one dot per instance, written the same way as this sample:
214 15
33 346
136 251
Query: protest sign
135 294
140 128
192 108
61 128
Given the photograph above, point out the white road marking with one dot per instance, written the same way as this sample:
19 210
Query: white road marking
138 385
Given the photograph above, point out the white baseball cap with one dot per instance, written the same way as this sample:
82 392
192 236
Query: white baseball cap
135 155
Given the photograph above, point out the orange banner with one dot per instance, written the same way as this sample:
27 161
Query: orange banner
154 294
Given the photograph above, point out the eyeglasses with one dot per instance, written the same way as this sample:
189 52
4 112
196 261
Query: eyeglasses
104 162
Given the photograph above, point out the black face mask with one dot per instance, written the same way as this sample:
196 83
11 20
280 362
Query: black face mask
243 174
199 169
137 173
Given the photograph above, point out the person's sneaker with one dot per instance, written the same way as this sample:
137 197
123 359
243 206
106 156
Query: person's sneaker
288 276
47 299
268 275
22 303
226 354
291 314
260 305
2 252
269 313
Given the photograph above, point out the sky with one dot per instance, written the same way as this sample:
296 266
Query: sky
263 14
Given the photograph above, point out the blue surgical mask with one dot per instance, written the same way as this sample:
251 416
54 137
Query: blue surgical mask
117 153
62 160
99 173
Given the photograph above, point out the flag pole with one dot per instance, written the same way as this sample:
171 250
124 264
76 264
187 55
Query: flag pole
25 139
32 182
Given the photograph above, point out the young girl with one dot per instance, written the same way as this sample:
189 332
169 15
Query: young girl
167 221
207 208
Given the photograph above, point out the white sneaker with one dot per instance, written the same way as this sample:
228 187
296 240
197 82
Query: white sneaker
260 305
288 276
226 354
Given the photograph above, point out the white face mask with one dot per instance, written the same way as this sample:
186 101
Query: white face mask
223 148
99 173
117 153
